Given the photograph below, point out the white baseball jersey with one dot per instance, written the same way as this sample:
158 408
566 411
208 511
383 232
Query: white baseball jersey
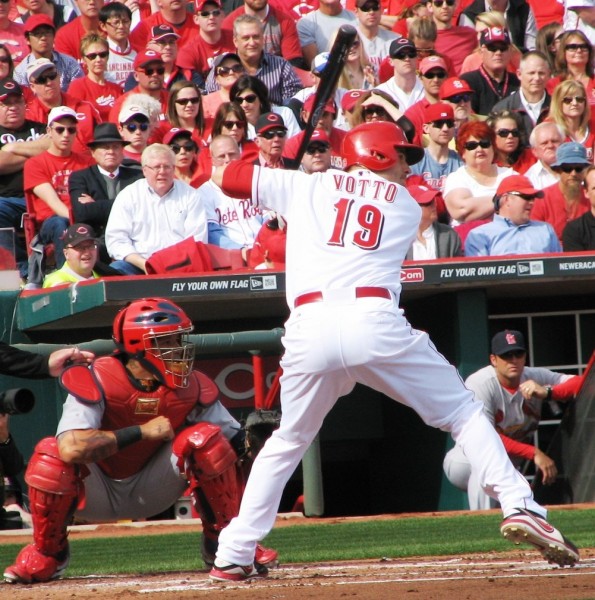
343 229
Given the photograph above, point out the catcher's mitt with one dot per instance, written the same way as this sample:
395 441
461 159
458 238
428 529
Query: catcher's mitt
259 426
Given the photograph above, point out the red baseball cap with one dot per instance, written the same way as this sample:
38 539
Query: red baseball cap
491 35
423 194
174 132
438 111
200 4
330 106
349 100
519 184
432 62
145 57
319 135
35 21
453 86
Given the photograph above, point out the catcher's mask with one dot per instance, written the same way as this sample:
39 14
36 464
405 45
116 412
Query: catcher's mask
155 332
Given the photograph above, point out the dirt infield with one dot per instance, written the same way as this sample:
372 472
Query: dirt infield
496 576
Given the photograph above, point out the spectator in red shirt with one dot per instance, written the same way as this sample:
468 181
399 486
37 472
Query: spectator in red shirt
44 80
69 36
94 87
279 30
210 42
12 35
47 175
172 13
149 72
453 40
564 201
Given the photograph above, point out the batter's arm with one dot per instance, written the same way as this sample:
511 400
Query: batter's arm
83 446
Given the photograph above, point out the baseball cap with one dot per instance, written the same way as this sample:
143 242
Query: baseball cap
491 35
570 153
508 341
319 136
268 121
432 62
453 86
131 111
422 194
174 132
349 100
35 21
9 86
59 112
400 44
37 67
145 57
519 184
200 4
319 63
360 3
330 106
219 59
158 32
438 111
77 233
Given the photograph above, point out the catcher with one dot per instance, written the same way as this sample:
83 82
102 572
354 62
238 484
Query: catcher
137 427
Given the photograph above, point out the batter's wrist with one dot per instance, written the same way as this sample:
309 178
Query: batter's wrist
128 436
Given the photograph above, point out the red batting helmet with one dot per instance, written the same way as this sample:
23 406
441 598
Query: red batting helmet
375 146
154 331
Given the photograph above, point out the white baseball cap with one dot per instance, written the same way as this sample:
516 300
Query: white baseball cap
37 67
59 112
130 111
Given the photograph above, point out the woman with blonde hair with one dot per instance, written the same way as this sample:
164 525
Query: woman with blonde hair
483 21
570 110
358 73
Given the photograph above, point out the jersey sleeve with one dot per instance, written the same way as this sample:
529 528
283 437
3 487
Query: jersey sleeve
517 449
77 415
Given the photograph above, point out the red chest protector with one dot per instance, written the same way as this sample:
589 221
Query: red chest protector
125 405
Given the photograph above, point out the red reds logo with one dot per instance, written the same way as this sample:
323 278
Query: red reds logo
510 339
9 85
82 230
273 118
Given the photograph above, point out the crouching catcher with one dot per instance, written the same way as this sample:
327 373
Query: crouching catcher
137 428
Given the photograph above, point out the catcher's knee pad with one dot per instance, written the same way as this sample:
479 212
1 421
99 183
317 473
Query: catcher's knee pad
54 489
210 464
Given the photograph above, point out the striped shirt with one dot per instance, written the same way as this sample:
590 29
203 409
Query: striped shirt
67 67
276 73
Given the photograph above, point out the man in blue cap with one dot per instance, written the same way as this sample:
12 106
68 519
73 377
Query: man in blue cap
565 200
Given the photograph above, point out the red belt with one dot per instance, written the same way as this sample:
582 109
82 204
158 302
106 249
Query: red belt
360 292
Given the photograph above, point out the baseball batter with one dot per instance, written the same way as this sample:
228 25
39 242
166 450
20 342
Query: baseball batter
347 236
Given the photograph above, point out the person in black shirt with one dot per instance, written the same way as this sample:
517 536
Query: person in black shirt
579 234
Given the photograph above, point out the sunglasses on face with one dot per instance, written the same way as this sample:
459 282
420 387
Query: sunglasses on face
577 99
158 70
460 98
435 75
39 33
497 47
269 135
576 47
355 44
474 145
504 133
4 60
250 99
527 197
132 127
94 55
43 79
207 13
223 71
513 354
439 3
373 110
59 129
185 101
425 51
314 148
442 122
370 8
407 54
570 168
232 124
189 147
4 1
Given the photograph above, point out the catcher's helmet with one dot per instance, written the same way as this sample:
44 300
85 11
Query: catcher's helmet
154 331
375 146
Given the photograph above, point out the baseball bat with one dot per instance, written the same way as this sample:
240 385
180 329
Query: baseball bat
328 80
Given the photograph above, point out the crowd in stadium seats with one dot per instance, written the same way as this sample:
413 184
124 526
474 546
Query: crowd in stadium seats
96 97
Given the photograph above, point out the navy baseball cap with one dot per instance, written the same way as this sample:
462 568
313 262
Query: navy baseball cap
508 340
268 121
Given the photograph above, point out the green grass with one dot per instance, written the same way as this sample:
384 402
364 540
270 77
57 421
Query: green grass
394 538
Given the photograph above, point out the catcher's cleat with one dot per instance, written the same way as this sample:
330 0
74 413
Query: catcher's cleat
31 566
230 572
526 526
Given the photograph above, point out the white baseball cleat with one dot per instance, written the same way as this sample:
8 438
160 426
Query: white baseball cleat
526 526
